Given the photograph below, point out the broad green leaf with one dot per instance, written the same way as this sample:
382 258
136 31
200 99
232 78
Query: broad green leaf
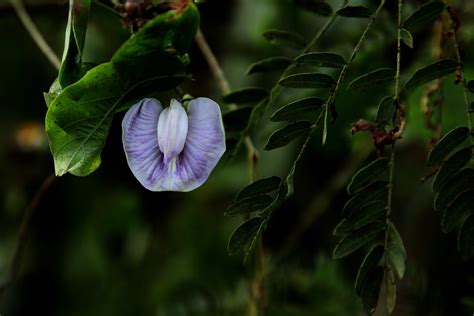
373 79
355 12
262 186
287 134
424 15
249 205
396 250
304 109
406 37
285 39
247 95
376 191
330 60
270 64
374 171
371 289
386 111
243 235
391 287
431 72
450 167
447 144
369 263
458 211
458 183
319 7
466 238
236 121
470 86
71 65
358 239
308 80
368 213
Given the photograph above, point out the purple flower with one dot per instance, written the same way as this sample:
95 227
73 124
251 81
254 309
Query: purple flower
171 149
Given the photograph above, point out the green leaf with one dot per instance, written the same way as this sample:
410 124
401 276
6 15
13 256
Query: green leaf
396 250
243 235
371 289
287 134
370 212
374 171
270 64
374 192
431 72
262 186
247 95
447 144
249 205
406 37
308 80
386 111
373 79
470 86
458 211
391 290
285 39
358 239
53 92
466 238
319 7
330 60
424 15
71 65
460 181
236 121
355 12
304 109
369 263
450 167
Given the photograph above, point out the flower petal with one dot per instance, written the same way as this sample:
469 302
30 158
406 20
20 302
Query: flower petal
140 142
172 130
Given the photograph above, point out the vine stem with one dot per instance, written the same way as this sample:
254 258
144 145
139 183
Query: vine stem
35 33
14 268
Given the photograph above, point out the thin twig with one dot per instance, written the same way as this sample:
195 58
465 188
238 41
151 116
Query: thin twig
35 33
23 233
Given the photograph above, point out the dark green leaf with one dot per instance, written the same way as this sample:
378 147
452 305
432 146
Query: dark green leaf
247 95
458 211
285 39
386 111
243 235
466 238
424 15
71 64
330 60
236 121
304 109
373 79
374 171
391 290
369 263
368 213
396 250
470 86
287 134
406 37
460 181
249 205
262 186
308 80
355 12
450 167
447 144
431 72
270 64
374 192
319 7
371 289
358 239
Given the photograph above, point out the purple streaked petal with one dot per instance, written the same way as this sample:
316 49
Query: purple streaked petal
172 130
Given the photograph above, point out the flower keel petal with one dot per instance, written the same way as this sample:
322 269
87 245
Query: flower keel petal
172 130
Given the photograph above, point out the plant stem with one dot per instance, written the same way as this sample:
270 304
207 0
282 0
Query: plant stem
35 33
